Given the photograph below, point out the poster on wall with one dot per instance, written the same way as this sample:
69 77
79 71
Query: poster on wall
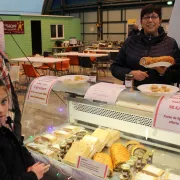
13 27
2 40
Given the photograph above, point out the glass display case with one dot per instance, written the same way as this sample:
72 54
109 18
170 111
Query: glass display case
132 115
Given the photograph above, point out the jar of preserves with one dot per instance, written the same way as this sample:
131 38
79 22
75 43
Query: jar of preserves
129 81
150 154
125 170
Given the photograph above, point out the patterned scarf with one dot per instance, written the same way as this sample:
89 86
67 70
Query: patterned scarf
4 76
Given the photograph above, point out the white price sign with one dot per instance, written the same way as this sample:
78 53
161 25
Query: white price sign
92 167
167 113
40 89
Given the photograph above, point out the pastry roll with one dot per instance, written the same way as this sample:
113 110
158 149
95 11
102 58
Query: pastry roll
104 159
131 144
138 150
119 155
151 60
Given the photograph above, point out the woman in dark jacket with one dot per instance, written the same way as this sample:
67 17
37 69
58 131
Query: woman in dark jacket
152 41
16 163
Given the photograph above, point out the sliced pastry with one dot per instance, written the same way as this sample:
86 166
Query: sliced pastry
104 158
119 154
138 150
131 144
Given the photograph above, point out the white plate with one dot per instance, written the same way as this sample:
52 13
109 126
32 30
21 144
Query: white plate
165 64
70 79
146 89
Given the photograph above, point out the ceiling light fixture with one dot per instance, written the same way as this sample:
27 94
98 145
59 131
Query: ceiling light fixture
169 2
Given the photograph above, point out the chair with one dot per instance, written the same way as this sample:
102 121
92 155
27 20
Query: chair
14 74
30 71
45 67
103 62
84 63
61 67
74 61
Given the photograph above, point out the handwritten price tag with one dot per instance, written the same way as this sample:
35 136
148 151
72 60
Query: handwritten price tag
40 89
167 113
92 167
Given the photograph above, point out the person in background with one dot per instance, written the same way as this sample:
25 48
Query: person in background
14 104
151 42
134 31
16 163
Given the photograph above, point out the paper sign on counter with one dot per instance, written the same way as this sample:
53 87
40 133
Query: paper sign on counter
40 88
167 113
104 92
93 167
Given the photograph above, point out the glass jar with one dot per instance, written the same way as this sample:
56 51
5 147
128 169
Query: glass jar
125 170
138 163
150 154
132 168
143 163
129 81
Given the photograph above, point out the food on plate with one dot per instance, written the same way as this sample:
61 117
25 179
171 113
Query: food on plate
151 60
103 136
152 171
160 88
131 144
142 176
104 158
78 78
119 154
138 150
114 136
92 142
77 149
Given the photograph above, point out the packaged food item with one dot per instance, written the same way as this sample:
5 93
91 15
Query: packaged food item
104 158
129 81
55 147
61 133
49 138
153 171
114 136
119 155
69 143
47 152
142 176
33 146
77 149
138 164
92 142
70 128
103 137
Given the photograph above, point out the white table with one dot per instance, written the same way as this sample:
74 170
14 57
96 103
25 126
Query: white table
40 59
102 50
80 54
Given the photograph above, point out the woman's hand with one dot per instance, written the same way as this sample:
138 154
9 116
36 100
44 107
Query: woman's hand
139 75
161 69
39 169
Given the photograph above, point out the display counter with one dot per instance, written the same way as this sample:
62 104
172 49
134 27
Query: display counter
132 116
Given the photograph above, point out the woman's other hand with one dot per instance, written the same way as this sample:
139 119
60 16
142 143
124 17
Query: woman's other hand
139 75
161 69
39 169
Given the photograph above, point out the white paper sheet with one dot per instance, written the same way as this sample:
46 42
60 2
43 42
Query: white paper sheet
104 92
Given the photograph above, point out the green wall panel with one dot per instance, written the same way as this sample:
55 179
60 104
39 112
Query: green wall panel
71 29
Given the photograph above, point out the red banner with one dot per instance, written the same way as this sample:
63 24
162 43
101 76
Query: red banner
13 27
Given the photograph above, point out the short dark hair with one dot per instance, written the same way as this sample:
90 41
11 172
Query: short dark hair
150 8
